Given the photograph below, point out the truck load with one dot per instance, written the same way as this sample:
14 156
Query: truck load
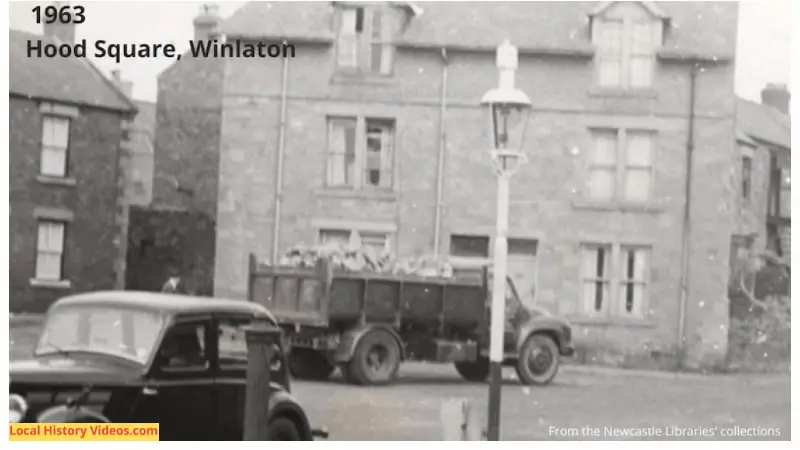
367 319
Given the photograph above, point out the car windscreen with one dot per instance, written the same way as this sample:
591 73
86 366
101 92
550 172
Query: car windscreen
129 333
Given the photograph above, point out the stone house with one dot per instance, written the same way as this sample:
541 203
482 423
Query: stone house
764 148
372 132
67 133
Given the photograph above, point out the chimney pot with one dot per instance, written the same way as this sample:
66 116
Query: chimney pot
64 32
206 22
777 96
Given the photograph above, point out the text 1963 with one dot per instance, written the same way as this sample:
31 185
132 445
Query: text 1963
62 14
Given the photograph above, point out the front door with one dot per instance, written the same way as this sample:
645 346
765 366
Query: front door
179 394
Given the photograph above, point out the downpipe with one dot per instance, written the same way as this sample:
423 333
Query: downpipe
276 223
687 209
437 226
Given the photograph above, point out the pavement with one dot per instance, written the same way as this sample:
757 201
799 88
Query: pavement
583 403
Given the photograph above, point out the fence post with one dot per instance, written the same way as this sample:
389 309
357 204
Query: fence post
260 343
460 421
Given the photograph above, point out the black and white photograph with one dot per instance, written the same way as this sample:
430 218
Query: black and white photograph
399 220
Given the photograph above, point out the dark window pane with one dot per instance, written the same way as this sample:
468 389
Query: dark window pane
469 246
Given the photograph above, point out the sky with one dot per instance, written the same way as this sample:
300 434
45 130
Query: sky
763 49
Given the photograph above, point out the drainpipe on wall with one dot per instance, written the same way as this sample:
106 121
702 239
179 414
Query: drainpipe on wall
687 219
279 167
440 168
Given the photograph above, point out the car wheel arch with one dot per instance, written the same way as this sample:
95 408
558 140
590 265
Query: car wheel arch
296 416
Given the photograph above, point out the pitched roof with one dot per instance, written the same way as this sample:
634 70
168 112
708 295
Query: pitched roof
763 123
528 25
70 80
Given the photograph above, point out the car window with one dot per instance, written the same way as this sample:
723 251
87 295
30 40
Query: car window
128 333
233 350
184 348
232 343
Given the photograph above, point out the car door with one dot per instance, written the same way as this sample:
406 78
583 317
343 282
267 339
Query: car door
179 394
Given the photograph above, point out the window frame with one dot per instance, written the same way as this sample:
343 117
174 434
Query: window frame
623 282
613 309
388 155
46 118
357 232
747 178
626 47
61 265
365 40
606 281
621 165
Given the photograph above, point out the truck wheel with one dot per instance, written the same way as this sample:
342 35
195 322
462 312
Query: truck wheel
282 429
376 359
476 371
310 365
538 360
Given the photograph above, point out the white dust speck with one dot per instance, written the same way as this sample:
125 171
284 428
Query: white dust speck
526 391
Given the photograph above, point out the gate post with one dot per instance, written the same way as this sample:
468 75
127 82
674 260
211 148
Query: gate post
261 340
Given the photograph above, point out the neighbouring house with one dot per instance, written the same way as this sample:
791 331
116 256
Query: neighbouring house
175 229
764 151
372 132
67 133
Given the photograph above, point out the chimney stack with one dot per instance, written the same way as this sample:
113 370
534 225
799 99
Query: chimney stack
64 32
125 86
777 96
205 24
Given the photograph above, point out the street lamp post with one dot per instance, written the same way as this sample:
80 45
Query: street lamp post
508 110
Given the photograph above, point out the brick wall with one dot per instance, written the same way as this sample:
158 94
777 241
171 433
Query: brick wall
546 193
90 250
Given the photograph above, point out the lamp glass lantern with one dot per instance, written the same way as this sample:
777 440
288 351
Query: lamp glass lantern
507 111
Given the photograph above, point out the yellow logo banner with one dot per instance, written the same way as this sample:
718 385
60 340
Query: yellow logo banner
83 432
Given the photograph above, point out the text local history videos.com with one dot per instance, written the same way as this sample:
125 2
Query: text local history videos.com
83 432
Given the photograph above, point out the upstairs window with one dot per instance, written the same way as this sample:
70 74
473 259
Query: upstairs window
626 37
360 153
364 42
621 165
55 145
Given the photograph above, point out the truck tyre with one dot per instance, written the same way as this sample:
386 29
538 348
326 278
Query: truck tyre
538 360
476 371
310 365
376 359
282 429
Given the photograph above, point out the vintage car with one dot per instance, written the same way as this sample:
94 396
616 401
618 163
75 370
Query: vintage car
141 357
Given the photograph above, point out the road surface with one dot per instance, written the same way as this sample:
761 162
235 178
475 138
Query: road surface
576 406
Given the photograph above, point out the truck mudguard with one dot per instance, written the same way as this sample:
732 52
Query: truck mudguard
350 339
553 328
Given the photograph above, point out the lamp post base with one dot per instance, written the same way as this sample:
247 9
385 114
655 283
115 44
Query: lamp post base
495 386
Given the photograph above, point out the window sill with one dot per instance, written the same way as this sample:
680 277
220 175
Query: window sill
611 321
357 194
598 91
360 79
51 284
56 181
616 206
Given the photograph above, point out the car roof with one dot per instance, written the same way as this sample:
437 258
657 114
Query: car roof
169 303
